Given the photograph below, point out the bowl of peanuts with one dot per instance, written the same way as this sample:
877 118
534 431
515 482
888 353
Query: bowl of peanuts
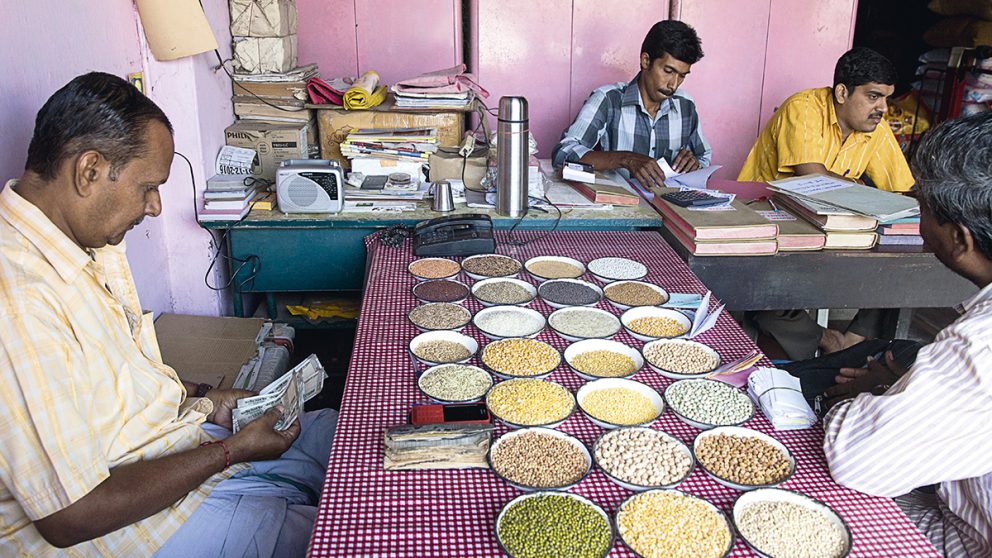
602 358
653 523
679 359
641 458
539 459
649 323
443 347
615 402
779 522
743 459
520 357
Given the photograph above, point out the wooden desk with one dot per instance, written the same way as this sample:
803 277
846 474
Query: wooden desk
903 277
298 253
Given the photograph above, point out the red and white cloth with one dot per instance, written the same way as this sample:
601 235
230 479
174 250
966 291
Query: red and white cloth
449 80
366 511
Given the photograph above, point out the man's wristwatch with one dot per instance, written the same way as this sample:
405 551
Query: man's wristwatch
202 389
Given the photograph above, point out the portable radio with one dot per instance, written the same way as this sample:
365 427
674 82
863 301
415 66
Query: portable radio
310 186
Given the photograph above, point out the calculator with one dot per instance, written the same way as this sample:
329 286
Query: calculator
692 198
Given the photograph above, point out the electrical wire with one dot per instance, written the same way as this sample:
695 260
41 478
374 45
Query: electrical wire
254 261
221 66
520 219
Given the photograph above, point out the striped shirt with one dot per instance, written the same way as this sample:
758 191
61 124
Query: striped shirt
84 387
614 118
805 130
932 426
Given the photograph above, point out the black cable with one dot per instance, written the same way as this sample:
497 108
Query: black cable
221 66
254 261
520 219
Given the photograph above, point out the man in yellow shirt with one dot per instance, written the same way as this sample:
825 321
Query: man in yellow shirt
837 131
103 449
840 132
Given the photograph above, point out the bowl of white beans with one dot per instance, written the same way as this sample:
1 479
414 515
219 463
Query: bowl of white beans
778 522
641 458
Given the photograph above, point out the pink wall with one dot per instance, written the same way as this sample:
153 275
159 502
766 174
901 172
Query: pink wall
396 38
168 255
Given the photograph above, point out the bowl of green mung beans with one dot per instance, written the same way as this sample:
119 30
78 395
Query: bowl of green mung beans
542 524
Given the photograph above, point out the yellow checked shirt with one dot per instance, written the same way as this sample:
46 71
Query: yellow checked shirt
805 130
82 387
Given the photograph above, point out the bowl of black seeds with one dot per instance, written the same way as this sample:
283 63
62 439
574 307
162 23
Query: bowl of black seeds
504 291
441 290
561 293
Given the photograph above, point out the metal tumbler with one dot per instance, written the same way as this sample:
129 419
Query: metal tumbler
443 199
512 138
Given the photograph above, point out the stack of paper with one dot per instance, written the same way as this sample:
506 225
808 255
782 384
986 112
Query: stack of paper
292 390
229 197
842 194
398 144
780 397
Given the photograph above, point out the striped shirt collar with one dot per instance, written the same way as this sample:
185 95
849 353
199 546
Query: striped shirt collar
981 296
66 257
632 96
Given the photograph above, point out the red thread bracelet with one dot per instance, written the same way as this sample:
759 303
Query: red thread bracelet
223 446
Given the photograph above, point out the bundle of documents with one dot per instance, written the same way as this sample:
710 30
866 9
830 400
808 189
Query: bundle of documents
399 144
845 195
905 232
437 446
287 86
292 390
413 100
780 397
229 197
441 89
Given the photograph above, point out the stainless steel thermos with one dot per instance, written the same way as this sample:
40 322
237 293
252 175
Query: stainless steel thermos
512 140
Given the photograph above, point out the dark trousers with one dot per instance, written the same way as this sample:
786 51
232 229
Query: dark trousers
799 334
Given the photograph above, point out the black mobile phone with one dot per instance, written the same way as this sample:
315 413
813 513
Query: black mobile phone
374 182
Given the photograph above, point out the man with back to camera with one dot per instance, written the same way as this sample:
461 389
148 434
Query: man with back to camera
635 124
931 423
103 450
840 132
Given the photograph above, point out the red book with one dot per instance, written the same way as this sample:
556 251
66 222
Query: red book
725 248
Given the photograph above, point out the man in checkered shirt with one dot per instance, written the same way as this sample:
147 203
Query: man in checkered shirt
635 124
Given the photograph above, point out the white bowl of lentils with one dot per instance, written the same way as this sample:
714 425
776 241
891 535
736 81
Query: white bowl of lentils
455 383
530 402
518 357
501 322
640 458
504 291
484 266
616 402
653 523
648 323
743 459
601 358
679 359
576 324
704 403
779 522
608 270
539 459
427 269
544 268
443 347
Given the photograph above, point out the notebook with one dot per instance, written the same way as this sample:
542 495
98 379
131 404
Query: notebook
794 233
605 191
826 217
850 240
864 200
767 247
741 223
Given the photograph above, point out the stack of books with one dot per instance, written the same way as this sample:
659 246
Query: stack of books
902 232
847 213
384 151
229 197
433 101
273 97
739 231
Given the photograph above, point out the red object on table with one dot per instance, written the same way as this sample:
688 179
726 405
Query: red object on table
366 511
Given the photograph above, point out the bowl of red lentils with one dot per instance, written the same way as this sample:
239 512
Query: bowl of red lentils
616 402
539 458
426 269
743 459
648 323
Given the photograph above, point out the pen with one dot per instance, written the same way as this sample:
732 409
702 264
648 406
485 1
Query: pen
848 171
771 202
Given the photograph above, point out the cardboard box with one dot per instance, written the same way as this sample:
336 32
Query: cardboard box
263 18
273 142
260 55
205 349
334 124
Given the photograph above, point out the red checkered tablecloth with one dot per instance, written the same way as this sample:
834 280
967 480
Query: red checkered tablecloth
366 511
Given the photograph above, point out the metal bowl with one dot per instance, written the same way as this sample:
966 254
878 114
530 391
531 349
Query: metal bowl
478 277
551 424
654 312
550 432
699 424
533 314
571 261
715 509
743 432
637 487
678 375
606 383
575 349
576 309
469 343
664 294
530 289
518 499
791 496
597 288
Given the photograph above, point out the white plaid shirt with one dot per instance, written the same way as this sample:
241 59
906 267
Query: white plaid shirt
614 118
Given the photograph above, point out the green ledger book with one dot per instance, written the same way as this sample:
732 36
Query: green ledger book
864 200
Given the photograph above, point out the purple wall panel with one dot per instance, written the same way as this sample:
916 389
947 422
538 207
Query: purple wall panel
726 83
326 35
607 49
526 51
805 39
401 39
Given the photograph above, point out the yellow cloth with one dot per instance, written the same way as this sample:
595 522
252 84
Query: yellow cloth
84 389
805 130
365 92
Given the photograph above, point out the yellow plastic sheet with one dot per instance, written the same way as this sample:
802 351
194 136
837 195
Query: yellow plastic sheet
365 92
332 309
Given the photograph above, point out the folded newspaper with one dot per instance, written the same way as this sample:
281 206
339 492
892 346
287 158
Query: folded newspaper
292 390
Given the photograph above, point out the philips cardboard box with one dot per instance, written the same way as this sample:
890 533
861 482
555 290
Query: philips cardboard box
273 142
